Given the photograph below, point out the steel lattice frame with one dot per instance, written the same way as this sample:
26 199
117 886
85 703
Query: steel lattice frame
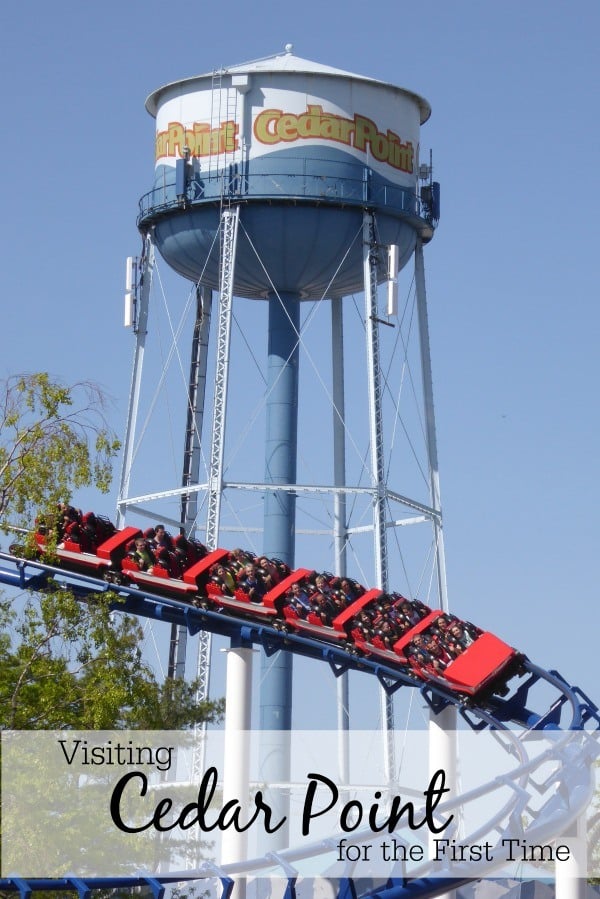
229 230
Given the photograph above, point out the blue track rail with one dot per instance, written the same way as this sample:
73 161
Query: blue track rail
571 710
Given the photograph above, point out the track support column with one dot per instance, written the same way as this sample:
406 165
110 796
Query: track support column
236 759
570 876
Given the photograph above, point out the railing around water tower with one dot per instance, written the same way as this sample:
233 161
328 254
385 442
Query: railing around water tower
293 180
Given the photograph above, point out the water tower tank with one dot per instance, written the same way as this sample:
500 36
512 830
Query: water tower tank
303 149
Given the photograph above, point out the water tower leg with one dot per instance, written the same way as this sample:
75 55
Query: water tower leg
141 329
339 513
279 531
430 429
190 476
282 425
442 726
377 460
229 229
195 408
177 651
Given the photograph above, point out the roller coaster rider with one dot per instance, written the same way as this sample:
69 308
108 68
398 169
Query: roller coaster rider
142 554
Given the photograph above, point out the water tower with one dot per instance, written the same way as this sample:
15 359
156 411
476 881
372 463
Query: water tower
281 182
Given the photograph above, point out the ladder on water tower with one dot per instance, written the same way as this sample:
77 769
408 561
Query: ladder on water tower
223 108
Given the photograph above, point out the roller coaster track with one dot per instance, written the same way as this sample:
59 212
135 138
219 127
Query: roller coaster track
571 717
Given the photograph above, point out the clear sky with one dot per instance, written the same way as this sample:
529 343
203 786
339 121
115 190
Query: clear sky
512 274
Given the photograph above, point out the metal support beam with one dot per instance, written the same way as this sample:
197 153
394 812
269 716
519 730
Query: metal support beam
142 292
377 458
442 726
375 402
391 495
430 430
190 476
229 230
195 407
339 516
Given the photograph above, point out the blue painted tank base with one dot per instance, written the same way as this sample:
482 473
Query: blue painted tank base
300 212
302 249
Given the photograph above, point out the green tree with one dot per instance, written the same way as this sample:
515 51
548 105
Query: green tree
72 665
68 664
53 439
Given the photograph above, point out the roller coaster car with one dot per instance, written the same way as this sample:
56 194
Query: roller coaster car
345 623
483 668
486 662
376 645
311 624
275 600
159 581
104 562
199 575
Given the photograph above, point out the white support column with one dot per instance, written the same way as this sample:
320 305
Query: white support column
442 746
442 755
236 759
377 458
570 876
141 329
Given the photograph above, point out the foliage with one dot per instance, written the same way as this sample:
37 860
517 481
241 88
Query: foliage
73 664
53 439
69 662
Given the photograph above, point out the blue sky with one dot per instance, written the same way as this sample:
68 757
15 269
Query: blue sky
512 272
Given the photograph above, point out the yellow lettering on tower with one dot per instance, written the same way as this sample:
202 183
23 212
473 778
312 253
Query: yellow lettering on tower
265 126
176 139
310 122
287 127
364 133
347 131
199 138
